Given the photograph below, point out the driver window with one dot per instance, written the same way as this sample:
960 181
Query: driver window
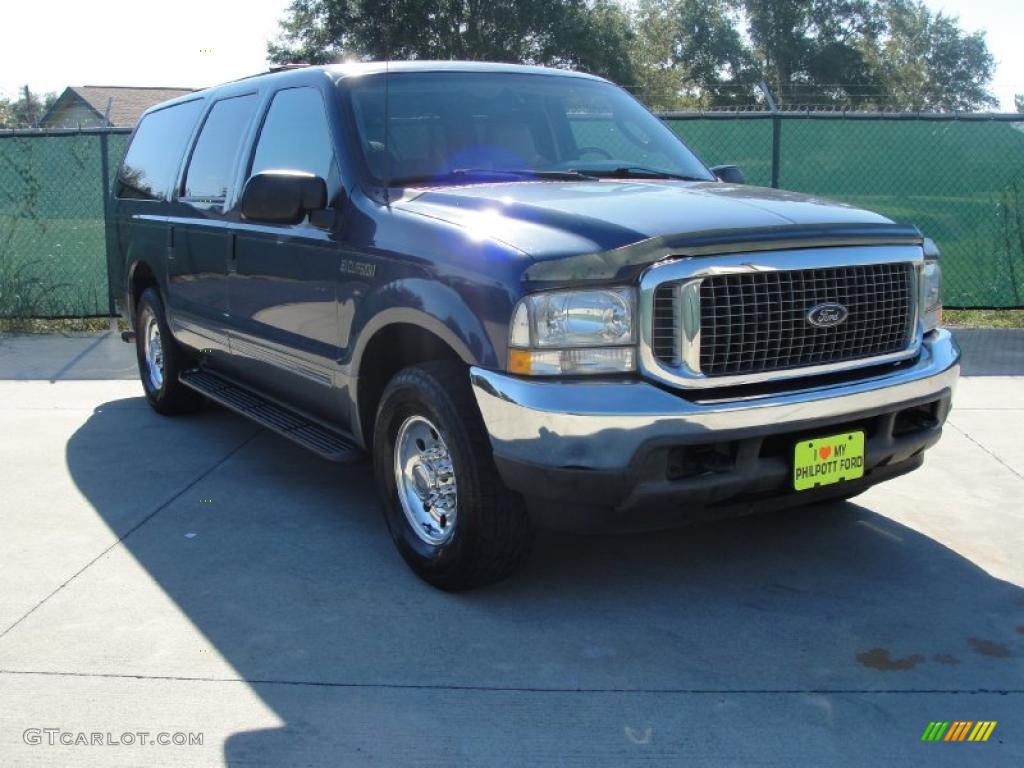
295 137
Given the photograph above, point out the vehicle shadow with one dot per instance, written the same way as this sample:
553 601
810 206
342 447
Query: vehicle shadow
298 587
991 351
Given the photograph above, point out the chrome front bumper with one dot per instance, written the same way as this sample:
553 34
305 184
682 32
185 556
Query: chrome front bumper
602 426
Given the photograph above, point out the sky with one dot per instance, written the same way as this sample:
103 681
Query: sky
1002 21
51 44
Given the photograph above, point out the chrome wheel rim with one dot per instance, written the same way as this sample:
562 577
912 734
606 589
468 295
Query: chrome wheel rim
153 352
425 478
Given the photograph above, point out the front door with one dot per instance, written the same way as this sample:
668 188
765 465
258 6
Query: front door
283 278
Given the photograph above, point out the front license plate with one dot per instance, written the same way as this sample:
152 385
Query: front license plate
828 460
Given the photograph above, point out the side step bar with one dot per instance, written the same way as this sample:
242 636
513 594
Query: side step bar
309 434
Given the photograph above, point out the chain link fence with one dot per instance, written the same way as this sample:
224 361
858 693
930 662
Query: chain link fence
959 178
52 221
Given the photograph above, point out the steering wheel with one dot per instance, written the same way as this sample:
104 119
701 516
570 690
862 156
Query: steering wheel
594 150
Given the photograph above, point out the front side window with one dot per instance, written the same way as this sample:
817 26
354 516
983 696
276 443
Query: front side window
445 123
295 136
149 167
209 171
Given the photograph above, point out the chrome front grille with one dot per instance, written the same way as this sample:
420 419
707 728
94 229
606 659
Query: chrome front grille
720 324
758 321
666 331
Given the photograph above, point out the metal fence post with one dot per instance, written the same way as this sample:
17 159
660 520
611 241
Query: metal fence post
776 131
104 137
776 141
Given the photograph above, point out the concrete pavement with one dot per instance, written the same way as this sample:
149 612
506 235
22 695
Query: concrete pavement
199 575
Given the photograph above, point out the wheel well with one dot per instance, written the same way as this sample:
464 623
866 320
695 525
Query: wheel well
142 278
390 350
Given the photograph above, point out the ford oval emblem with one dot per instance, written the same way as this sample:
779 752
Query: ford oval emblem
827 315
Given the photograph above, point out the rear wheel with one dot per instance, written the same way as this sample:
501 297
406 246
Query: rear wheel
452 519
161 359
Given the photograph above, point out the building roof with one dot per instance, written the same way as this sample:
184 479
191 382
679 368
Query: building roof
126 103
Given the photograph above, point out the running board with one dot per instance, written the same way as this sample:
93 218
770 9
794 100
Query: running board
323 441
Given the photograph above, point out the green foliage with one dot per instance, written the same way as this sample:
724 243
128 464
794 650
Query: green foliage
588 34
812 51
891 54
983 318
689 53
1018 102
924 61
23 294
26 110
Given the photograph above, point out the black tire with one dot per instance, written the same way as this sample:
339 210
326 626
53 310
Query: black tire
492 534
169 397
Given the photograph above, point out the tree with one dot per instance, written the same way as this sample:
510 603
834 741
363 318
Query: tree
862 53
26 110
925 61
596 37
690 53
6 113
813 51
589 34
893 54
1018 102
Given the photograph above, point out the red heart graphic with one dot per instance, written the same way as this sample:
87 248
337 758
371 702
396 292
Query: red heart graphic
825 452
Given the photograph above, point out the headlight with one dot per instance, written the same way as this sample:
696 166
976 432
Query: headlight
930 300
574 332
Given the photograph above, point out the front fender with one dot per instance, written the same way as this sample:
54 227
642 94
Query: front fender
431 305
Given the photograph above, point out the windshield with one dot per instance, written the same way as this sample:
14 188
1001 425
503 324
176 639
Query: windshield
447 127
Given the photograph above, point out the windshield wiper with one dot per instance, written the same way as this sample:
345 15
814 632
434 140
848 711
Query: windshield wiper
509 173
637 172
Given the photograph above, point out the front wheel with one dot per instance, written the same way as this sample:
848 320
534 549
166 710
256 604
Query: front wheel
452 519
161 359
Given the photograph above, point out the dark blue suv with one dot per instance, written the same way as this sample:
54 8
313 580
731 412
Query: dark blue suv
525 298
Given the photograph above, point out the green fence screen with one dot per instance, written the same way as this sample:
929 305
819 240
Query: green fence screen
52 232
960 179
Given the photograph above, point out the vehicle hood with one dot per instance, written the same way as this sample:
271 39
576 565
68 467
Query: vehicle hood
597 230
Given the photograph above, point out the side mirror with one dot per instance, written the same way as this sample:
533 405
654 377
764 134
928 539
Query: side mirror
730 174
283 197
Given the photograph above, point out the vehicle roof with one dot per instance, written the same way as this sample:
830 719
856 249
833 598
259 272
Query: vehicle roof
357 68
338 72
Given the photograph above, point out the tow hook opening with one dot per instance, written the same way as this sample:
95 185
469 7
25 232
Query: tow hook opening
694 460
917 419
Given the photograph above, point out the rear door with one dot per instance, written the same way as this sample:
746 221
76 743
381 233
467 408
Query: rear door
283 280
199 241
145 184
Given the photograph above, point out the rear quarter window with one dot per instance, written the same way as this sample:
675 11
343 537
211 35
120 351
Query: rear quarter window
151 163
